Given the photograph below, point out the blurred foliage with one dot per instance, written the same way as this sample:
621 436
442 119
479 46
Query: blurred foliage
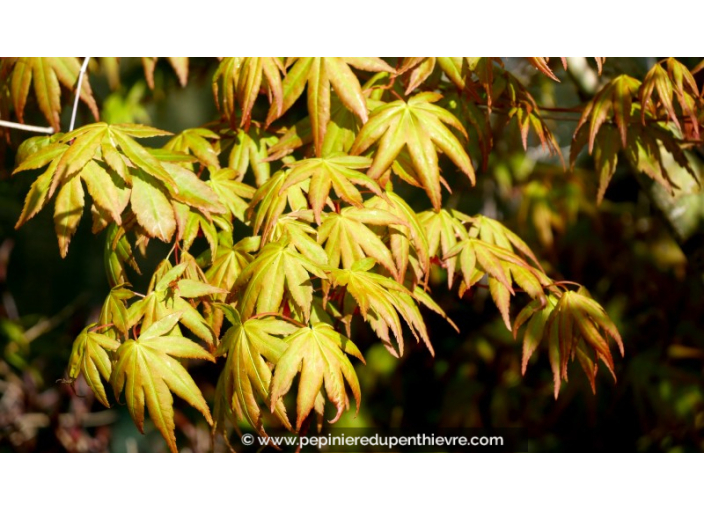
636 252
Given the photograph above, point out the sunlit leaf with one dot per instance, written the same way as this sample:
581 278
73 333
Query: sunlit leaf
381 300
147 371
318 353
321 74
90 357
250 347
418 125
46 74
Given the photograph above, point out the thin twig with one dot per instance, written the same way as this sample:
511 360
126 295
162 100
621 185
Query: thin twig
25 127
78 92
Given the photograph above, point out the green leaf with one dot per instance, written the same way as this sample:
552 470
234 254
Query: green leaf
192 191
242 79
42 157
152 207
118 255
277 268
418 125
573 325
229 262
138 155
89 356
35 199
230 192
250 347
493 232
47 74
403 236
250 150
107 190
114 311
179 65
272 203
347 239
606 150
381 300
614 99
197 142
339 172
147 372
676 81
321 74
318 353
67 212
442 231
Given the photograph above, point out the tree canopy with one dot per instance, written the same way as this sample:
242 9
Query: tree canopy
282 242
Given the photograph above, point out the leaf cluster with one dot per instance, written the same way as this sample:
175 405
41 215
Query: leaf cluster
289 224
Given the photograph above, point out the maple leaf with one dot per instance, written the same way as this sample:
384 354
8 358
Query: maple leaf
676 80
542 64
114 311
321 74
381 300
196 141
46 74
614 100
402 236
344 125
418 125
442 229
151 206
190 223
294 137
193 203
67 212
318 353
229 260
502 266
297 228
272 202
421 68
250 346
527 116
147 371
339 137
339 172
494 232
574 325
231 193
645 145
89 356
91 154
242 79
168 293
118 255
250 150
347 239
277 268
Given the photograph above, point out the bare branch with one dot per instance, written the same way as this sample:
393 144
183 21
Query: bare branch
25 127
78 92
